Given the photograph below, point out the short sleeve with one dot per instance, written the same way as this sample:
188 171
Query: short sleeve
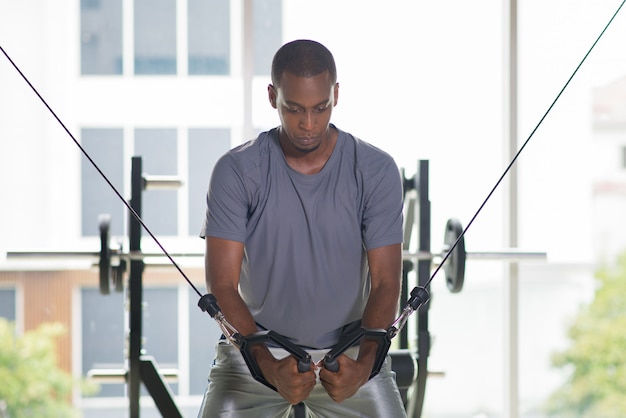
227 202
382 216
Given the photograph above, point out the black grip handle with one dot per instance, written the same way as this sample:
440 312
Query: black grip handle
331 365
263 337
304 365
382 338
345 342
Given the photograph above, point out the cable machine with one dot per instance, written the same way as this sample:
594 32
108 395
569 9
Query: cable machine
407 360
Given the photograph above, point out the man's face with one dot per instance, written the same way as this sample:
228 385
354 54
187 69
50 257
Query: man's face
304 105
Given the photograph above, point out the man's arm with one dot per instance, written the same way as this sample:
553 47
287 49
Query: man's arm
222 268
385 265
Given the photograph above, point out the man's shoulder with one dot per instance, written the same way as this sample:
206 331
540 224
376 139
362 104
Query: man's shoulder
367 156
249 155
255 146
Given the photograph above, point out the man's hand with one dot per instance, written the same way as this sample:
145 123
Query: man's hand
385 265
346 382
284 376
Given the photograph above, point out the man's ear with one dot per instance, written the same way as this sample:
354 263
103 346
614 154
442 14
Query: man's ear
336 94
271 93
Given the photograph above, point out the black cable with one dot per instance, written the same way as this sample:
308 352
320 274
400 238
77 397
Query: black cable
452 247
93 163
508 168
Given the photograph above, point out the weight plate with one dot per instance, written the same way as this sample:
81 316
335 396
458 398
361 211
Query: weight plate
454 266
104 222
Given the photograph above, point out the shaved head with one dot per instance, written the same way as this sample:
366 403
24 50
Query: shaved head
303 58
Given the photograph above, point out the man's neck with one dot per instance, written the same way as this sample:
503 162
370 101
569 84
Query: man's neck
310 162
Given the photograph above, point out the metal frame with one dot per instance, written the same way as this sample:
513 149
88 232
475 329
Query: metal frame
144 369
423 274
141 368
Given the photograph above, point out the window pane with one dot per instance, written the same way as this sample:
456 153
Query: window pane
105 146
7 304
268 33
103 335
157 147
160 328
155 36
101 36
203 336
205 147
103 332
209 36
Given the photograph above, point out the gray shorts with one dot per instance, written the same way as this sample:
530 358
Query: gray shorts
233 392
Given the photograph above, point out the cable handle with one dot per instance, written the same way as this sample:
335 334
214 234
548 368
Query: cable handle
381 336
208 303
419 296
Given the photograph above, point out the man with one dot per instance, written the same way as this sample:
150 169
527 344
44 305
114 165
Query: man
303 237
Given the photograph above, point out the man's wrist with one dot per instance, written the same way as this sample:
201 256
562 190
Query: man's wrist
261 353
367 351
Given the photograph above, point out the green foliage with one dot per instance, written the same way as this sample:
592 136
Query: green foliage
596 359
31 383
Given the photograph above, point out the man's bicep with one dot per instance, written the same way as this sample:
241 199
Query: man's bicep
228 202
222 263
382 219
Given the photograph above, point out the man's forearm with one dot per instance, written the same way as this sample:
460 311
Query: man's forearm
382 306
235 310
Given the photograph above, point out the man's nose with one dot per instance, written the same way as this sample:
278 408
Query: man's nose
307 122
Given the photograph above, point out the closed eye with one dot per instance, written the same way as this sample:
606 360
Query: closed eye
292 109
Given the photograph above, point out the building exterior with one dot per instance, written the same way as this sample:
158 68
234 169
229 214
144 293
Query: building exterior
161 80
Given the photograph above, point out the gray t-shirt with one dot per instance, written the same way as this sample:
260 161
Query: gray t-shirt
305 272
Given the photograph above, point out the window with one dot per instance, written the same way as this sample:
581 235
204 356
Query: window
104 323
103 335
160 328
158 149
105 146
205 147
268 35
7 304
155 36
103 332
209 37
101 36
203 334
624 157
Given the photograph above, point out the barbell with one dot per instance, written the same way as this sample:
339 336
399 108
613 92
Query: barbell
454 268
111 274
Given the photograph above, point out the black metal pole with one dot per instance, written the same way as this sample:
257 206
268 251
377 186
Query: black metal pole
423 274
135 291
407 267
